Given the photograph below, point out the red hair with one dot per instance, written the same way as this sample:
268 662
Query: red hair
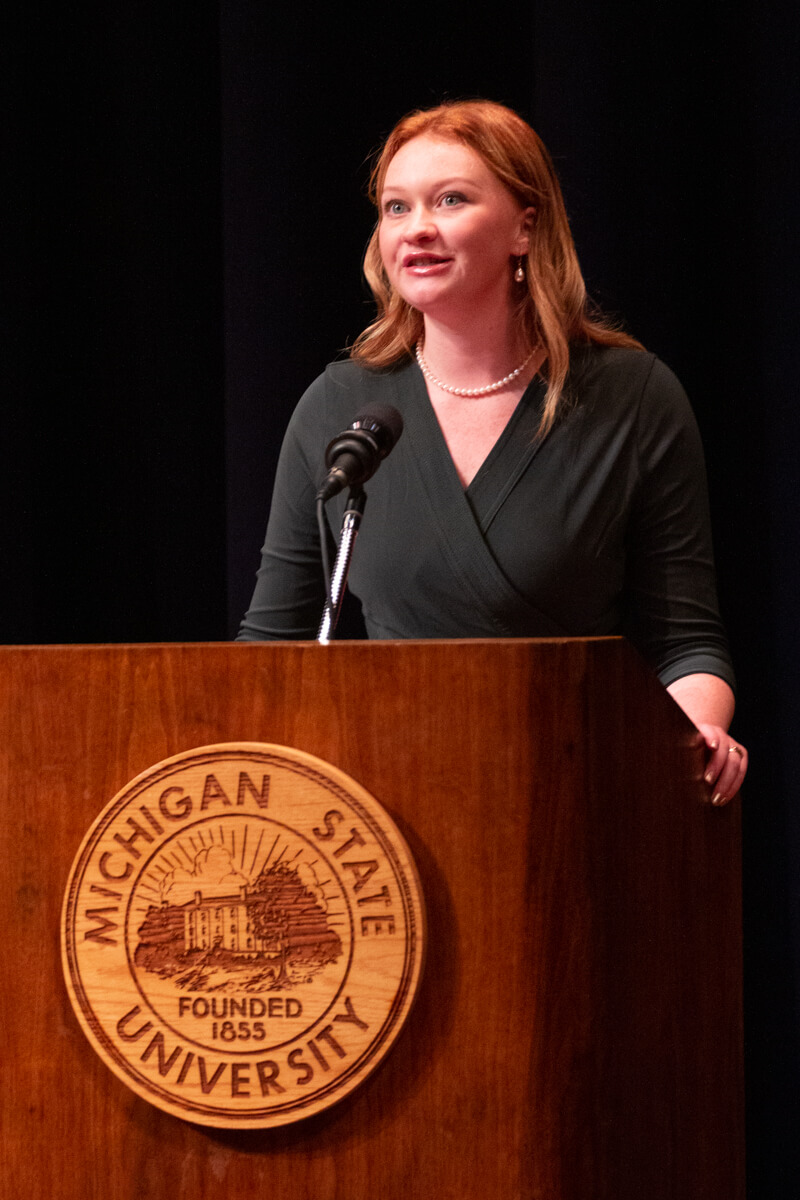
553 308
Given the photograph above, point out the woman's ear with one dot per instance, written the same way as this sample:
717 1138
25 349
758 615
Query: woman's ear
524 241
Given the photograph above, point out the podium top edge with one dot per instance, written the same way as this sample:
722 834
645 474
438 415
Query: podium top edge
84 647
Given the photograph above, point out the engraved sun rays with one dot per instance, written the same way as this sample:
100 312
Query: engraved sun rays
250 851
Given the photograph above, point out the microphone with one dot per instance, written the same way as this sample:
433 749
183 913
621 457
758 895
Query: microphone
355 455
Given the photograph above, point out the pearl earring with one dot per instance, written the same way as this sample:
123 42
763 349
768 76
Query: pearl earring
519 274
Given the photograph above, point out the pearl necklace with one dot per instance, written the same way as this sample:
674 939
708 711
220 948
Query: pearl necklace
484 391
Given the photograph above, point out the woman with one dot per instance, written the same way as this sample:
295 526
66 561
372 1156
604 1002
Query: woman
549 480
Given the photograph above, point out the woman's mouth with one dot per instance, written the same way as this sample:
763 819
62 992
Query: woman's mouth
424 262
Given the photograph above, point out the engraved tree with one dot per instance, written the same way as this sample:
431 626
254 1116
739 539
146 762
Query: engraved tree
161 946
274 896
287 916
271 923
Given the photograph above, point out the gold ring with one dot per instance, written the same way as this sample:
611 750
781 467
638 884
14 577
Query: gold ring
736 750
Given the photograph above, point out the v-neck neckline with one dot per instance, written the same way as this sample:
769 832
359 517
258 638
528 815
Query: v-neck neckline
508 457
505 461
461 517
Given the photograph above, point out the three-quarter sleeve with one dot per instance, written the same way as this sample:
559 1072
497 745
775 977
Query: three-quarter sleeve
289 595
672 613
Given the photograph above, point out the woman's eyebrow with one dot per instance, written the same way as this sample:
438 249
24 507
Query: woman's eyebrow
448 181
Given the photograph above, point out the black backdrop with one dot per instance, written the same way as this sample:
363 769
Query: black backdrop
182 257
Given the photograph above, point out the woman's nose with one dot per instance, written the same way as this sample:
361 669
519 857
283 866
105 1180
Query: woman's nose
422 225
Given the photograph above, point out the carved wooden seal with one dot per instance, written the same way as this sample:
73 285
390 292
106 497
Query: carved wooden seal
243 935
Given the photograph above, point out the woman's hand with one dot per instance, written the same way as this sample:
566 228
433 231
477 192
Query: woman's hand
708 702
727 763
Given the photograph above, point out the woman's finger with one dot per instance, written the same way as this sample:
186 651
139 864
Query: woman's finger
726 766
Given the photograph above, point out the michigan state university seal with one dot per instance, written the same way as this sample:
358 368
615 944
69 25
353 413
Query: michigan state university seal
242 935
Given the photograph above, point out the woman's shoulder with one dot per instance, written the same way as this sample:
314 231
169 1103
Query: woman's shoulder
349 375
347 382
616 378
344 389
625 364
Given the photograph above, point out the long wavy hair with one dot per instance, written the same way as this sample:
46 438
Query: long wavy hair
552 307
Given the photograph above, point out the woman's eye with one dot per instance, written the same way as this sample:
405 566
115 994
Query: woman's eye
451 199
393 208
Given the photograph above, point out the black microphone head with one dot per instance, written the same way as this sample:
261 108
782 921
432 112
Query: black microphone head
384 422
355 455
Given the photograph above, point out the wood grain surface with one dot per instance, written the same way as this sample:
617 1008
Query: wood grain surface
578 1031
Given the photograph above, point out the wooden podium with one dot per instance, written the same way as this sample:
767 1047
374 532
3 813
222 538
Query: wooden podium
578 1033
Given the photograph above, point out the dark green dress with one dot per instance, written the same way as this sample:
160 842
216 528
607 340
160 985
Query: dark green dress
601 528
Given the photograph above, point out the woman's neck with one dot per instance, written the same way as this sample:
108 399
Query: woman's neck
472 354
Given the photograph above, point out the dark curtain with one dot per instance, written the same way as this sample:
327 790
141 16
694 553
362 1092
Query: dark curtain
187 217
112 442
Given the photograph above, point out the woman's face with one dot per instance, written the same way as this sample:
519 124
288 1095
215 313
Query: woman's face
449 230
